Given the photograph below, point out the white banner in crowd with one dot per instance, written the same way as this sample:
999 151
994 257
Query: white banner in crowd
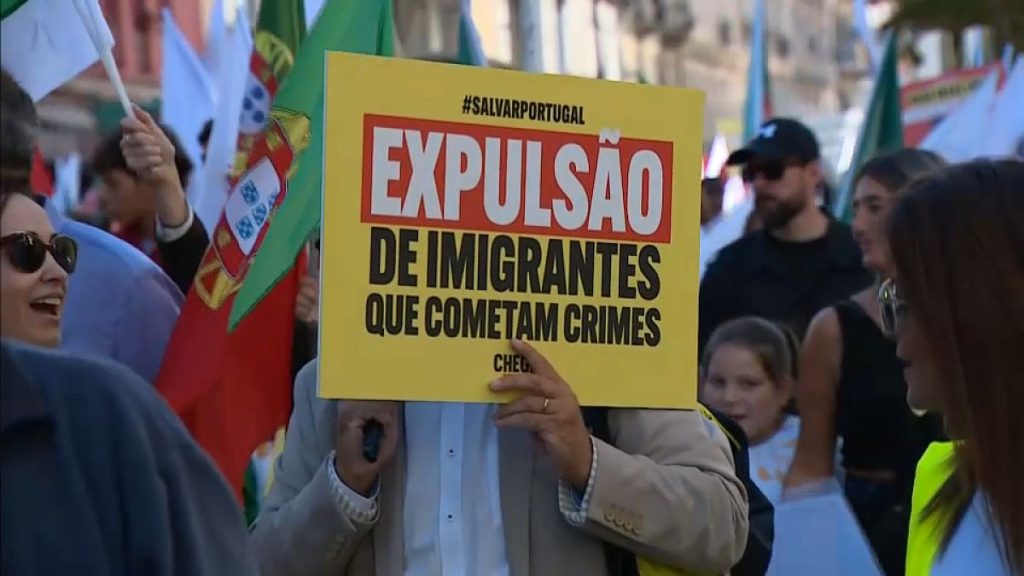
229 52
988 123
960 136
724 231
67 182
820 535
45 43
1006 123
186 100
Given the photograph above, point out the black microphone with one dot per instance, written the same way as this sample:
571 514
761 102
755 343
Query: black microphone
372 432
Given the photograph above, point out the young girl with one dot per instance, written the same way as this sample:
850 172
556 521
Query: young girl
747 373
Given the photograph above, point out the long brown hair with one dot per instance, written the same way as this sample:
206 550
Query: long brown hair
897 169
957 239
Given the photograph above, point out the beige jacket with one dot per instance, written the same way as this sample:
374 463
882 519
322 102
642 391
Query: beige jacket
666 490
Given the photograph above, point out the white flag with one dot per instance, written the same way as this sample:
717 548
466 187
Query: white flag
233 50
1006 122
724 230
961 135
187 97
45 43
67 183
820 535
313 8
717 156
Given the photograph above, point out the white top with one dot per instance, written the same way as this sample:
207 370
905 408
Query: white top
452 506
452 501
770 460
974 549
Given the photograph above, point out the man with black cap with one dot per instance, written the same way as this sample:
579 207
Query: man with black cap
802 260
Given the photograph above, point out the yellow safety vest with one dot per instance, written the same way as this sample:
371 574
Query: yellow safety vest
934 468
647 568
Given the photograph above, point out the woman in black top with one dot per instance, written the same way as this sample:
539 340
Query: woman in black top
851 382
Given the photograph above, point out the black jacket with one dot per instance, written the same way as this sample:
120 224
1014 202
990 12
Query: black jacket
758 275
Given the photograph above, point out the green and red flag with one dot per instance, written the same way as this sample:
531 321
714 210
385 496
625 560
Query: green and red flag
279 32
227 388
364 27
231 382
882 130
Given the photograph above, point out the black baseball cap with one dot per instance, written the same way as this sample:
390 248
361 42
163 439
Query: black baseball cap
779 139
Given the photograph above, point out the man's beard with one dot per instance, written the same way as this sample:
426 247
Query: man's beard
777 213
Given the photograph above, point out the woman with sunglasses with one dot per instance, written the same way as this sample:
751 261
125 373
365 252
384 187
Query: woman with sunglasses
957 308
33 270
851 382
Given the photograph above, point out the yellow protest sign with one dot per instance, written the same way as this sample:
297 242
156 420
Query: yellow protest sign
464 207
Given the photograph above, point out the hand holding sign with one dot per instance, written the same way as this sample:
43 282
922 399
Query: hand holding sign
549 408
351 465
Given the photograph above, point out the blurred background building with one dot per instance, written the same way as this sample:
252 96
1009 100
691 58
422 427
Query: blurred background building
79 112
817 66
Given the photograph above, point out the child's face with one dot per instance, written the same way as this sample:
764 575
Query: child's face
737 384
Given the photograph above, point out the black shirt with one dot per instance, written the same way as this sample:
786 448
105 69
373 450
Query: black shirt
789 282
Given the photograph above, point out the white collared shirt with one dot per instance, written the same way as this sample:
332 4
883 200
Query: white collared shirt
452 502
452 505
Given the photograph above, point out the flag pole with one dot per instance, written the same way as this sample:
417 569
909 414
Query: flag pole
106 55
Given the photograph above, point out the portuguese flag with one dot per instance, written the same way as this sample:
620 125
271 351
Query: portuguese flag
231 383
364 27
233 391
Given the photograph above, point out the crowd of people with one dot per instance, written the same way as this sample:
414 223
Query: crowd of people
879 360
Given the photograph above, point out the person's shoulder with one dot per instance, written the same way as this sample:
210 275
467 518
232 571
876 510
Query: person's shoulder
102 247
91 392
737 254
825 324
842 240
129 269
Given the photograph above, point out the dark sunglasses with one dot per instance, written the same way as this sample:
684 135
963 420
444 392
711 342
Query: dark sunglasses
772 170
892 308
26 251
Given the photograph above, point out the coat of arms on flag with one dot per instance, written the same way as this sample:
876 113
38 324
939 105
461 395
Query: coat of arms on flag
253 197
271 60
